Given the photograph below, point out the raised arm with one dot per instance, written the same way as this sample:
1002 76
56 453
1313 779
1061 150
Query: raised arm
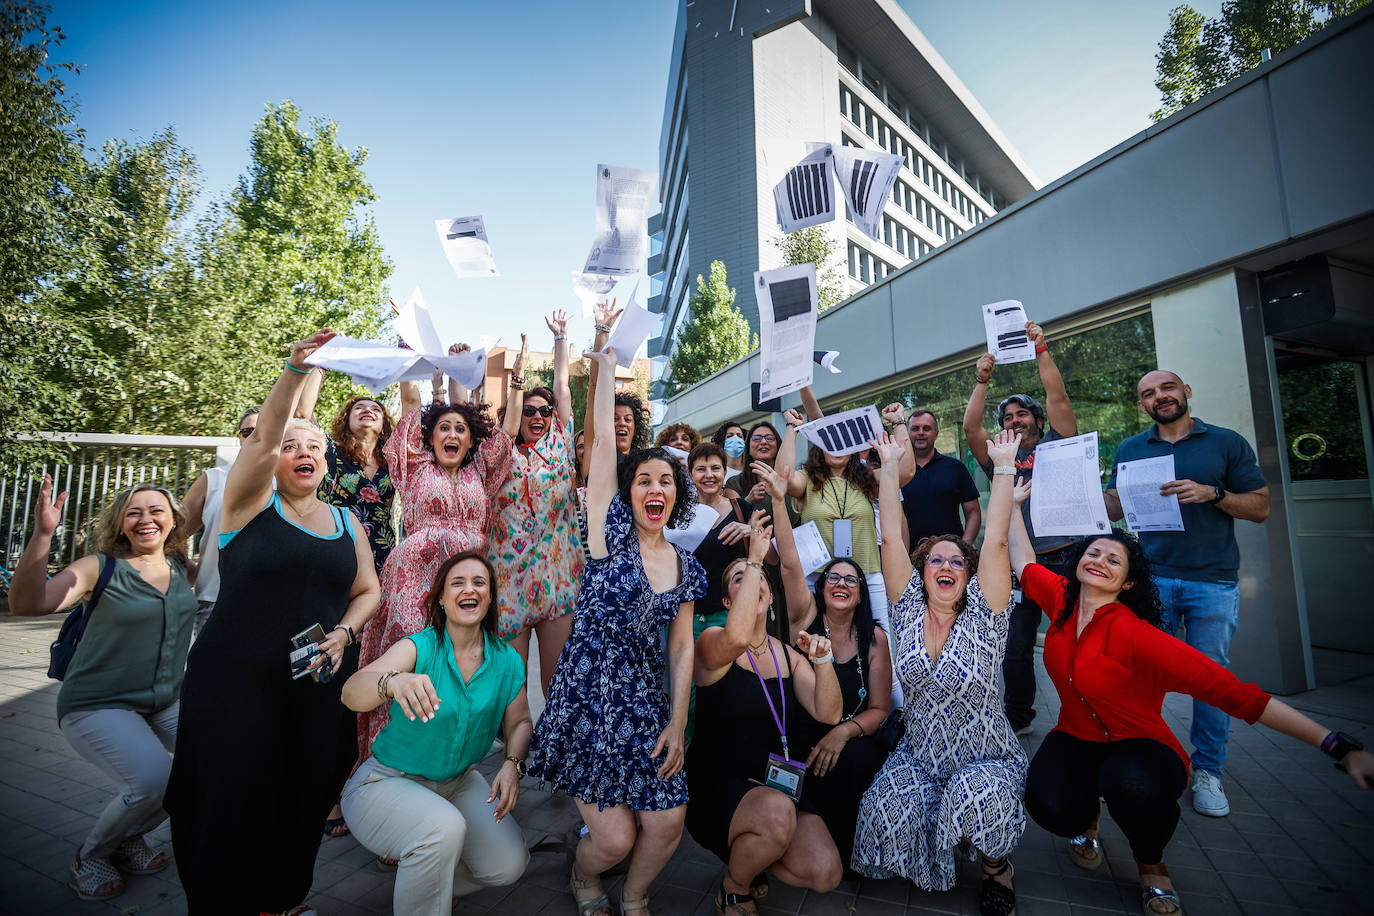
32 593
994 569
562 392
410 396
801 603
309 395
516 399
974 435
893 416
787 456
1057 405
1019 542
718 647
601 454
896 561
606 314
810 405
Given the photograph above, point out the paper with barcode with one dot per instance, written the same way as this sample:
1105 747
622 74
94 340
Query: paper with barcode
1143 506
811 549
806 194
1005 324
866 178
844 433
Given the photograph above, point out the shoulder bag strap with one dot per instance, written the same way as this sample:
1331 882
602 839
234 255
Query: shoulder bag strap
106 573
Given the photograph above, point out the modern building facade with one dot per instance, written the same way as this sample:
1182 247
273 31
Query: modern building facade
752 81
1232 243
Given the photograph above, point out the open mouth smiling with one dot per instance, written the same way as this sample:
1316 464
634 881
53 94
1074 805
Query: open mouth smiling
653 509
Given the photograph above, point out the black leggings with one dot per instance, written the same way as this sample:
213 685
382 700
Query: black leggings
1140 778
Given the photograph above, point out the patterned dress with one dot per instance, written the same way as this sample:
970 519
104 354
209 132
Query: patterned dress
347 486
535 544
442 516
959 770
606 705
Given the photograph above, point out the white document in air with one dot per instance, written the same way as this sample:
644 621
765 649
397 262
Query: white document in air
622 213
630 332
1005 325
690 538
591 289
1066 499
466 247
787 328
415 324
866 179
806 194
811 549
845 433
1138 483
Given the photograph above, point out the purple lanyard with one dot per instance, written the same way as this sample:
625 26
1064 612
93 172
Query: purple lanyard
782 697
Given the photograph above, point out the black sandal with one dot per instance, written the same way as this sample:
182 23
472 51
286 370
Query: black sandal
996 899
728 904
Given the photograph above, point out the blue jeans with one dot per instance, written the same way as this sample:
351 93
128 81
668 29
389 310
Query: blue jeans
1209 613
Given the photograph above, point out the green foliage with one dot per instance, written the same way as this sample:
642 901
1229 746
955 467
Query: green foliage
1197 55
716 335
816 245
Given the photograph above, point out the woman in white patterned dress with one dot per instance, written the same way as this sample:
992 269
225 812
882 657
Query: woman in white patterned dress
958 772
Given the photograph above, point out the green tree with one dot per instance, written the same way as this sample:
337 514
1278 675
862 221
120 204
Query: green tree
716 335
1197 55
815 245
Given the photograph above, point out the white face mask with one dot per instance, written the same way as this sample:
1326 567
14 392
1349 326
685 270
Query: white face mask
734 446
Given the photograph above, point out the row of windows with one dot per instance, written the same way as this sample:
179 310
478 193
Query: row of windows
866 266
903 239
905 196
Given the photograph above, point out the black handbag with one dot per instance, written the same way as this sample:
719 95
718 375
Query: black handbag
890 733
63 648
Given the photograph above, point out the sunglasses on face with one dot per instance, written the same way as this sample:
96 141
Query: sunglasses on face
530 410
954 563
246 431
841 579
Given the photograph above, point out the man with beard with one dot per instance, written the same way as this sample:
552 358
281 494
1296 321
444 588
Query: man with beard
1022 414
1195 569
942 486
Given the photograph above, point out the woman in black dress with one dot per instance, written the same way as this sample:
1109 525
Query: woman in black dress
260 757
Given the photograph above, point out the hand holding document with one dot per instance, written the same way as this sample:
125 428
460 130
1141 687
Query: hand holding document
787 300
844 433
465 244
622 228
1138 486
633 328
1067 498
1005 325
811 549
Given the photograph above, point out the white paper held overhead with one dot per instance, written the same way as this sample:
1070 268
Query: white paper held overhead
1066 496
1004 323
845 433
415 325
787 301
591 289
811 549
630 332
465 245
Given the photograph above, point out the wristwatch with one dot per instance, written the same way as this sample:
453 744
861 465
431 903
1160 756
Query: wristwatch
1218 494
1338 744
519 765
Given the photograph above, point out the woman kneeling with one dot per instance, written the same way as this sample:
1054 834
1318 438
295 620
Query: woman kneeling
450 687
750 802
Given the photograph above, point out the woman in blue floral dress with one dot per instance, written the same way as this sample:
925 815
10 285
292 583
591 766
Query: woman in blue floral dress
608 736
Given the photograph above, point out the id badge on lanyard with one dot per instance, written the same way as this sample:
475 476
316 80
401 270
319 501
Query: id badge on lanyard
785 775
842 538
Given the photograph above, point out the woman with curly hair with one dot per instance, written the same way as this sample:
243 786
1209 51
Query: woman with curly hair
1112 665
681 436
448 461
118 704
631 423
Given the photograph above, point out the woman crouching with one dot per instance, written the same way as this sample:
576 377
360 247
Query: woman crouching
450 687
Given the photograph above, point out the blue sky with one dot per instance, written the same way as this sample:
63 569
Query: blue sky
505 109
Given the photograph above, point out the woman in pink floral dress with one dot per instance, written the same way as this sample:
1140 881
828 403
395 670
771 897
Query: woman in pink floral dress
447 461
535 544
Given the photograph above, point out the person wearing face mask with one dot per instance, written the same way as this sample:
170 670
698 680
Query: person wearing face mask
448 462
535 544
1034 423
762 443
419 798
958 772
261 755
608 736
681 436
730 436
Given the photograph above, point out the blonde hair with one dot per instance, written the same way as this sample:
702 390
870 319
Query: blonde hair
303 423
109 530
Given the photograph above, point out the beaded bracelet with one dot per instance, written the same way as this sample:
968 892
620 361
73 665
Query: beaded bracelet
383 683
981 380
603 328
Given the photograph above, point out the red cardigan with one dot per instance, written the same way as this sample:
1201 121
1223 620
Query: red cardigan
1112 678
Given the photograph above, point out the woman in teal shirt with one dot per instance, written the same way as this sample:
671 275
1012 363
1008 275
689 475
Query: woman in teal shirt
452 685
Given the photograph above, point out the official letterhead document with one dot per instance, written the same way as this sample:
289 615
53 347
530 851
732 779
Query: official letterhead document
1066 499
787 300
1005 325
1145 508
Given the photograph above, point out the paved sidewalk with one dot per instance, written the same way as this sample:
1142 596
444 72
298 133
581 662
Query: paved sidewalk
1299 839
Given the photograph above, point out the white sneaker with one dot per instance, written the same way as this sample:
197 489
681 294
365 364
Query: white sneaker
1208 797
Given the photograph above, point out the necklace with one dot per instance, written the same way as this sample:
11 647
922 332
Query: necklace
858 657
757 651
144 562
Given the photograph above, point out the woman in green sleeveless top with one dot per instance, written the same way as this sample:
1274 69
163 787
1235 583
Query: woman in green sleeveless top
118 703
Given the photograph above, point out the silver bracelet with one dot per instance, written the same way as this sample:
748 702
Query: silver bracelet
558 337
1007 471
603 328
825 659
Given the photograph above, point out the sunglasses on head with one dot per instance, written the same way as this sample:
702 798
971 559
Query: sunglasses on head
246 431
530 410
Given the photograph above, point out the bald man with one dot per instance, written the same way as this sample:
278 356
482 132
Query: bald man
1196 569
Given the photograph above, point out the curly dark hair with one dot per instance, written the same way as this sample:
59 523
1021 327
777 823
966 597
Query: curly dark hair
856 472
863 611
683 504
434 605
1139 592
723 432
478 420
747 477
672 429
640 439
970 553
539 391
343 437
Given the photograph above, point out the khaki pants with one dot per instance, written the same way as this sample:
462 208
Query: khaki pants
443 833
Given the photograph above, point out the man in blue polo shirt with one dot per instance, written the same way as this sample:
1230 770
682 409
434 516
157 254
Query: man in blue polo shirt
1196 569
941 488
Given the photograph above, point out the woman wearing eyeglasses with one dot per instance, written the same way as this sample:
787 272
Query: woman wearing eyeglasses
535 544
958 772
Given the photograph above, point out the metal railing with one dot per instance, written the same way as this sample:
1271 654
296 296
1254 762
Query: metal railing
100 466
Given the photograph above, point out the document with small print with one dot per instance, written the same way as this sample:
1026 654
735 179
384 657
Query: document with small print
1066 496
811 549
1144 507
622 228
1005 325
787 301
466 247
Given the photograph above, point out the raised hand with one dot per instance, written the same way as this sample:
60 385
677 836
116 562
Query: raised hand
792 418
1036 335
1022 491
303 348
760 536
47 514
1002 448
889 448
813 646
774 484
985 364
605 313
894 414
558 323
524 355
457 348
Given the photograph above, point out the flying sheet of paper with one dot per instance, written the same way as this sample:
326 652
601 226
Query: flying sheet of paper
591 289
467 369
465 244
690 538
372 365
677 453
1145 508
622 228
866 179
811 549
826 360
1066 500
1005 325
787 328
416 326
489 341
806 195
845 433
630 332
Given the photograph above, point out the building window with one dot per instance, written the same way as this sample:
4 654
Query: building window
848 59
854 260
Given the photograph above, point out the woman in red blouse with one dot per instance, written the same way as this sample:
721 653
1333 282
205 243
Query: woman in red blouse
1112 665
